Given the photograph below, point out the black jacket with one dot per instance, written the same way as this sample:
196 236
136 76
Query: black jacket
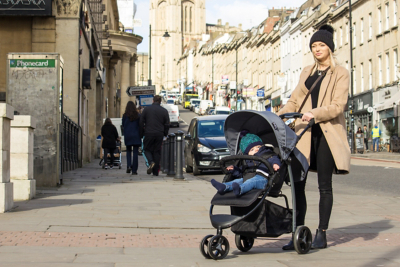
110 135
154 121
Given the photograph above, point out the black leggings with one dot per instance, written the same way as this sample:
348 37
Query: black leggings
321 160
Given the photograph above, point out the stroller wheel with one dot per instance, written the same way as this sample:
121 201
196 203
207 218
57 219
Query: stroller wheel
120 166
244 243
218 247
302 240
204 246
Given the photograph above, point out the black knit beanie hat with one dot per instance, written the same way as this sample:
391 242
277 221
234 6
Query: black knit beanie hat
325 35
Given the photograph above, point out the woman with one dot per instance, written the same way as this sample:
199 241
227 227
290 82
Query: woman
359 130
110 137
325 145
130 124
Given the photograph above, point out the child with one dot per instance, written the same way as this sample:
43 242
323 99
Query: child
251 145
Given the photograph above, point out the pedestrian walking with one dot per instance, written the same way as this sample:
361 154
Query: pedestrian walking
130 124
325 145
110 138
359 130
154 125
366 137
376 136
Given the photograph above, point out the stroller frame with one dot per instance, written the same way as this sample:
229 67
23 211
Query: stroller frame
117 160
217 247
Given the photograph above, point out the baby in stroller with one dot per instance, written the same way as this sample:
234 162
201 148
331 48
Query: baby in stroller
252 145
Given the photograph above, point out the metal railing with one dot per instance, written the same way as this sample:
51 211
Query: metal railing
70 144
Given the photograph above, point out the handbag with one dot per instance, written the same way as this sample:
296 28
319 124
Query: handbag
323 73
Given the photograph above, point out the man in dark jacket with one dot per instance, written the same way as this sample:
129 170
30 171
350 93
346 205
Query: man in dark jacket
154 125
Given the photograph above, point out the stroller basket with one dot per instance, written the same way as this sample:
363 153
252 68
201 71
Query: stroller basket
270 220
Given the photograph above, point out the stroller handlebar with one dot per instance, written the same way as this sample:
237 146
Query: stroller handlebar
244 157
291 115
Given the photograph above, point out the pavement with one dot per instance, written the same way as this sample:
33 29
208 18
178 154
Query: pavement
111 218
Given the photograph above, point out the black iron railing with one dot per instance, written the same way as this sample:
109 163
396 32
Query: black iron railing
70 144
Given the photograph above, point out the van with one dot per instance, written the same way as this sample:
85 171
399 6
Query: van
194 102
118 124
222 110
173 112
204 104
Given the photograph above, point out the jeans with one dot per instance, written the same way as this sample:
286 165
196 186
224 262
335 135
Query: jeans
152 151
257 182
109 151
375 140
132 162
366 143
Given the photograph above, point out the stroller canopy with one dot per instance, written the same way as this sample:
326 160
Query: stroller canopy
270 128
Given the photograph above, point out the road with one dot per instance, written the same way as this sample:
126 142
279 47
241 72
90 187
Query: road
362 180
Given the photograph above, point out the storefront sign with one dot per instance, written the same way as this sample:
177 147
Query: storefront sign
25 7
225 79
260 93
362 102
248 92
276 101
32 63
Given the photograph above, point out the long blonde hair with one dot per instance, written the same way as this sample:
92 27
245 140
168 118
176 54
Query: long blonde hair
332 59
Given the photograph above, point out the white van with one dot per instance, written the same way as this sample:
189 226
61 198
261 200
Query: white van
222 110
118 124
204 104
173 112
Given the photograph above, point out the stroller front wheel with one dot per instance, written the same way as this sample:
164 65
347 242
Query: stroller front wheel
218 247
302 240
244 243
204 246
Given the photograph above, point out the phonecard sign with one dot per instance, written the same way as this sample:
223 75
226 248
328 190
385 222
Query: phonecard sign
146 100
25 7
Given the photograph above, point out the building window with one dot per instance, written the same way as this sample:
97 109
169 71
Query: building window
370 26
380 69
387 16
341 36
362 76
379 20
387 68
394 12
395 64
354 35
185 28
347 32
370 74
362 31
190 29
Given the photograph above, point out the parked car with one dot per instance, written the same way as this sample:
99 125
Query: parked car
170 101
205 144
193 103
197 109
204 104
222 110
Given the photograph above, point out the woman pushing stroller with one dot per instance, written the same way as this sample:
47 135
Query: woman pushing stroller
252 145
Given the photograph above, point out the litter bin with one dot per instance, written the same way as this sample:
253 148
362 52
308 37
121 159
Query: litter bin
98 142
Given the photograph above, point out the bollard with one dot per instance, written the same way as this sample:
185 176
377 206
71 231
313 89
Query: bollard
171 158
162 156
165 155
179 157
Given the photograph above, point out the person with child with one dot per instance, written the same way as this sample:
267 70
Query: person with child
251 145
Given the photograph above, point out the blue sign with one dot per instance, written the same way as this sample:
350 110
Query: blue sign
260 92
145 100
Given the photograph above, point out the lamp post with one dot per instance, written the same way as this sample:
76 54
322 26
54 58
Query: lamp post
166 37
237 84
351 117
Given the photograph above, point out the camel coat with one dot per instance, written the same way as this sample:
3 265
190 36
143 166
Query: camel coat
329 114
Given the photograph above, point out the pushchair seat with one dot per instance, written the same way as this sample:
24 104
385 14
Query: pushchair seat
229 198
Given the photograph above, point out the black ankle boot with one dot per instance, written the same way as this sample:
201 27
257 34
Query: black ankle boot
289 246
319 240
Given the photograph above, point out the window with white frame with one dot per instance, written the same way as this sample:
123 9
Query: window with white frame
370 74
394 12
380 69
354 80
362 31
354 35
379 20
387 16
362 76
387 68
395 64
347 32
341 36
370 26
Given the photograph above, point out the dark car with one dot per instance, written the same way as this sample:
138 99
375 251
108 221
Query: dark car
205 144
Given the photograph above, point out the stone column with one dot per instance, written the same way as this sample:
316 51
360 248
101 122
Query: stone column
6 188
125 80
132 77
21 161
111 89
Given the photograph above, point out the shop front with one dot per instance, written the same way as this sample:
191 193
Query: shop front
386 102
261 99
362 110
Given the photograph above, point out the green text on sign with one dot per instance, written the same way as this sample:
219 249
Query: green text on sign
32 63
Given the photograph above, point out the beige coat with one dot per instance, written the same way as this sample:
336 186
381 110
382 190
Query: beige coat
329 114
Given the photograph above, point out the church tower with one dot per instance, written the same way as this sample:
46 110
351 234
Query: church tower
185 21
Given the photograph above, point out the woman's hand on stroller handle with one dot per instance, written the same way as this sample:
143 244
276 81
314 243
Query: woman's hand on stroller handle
291 115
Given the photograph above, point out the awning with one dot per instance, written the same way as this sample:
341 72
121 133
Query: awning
388 103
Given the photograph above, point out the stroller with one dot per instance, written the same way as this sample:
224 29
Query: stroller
117 157
252 215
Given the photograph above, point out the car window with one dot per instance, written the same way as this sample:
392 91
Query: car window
211 128
222 112
193 132
170 101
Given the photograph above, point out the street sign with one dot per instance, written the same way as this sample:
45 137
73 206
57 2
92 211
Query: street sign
141 90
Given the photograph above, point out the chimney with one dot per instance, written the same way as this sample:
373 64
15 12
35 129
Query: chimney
227 25
240 26
219 22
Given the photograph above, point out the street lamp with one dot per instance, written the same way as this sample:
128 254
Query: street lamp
351 116
166 37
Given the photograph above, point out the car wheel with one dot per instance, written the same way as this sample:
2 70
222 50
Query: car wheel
187 167
196 170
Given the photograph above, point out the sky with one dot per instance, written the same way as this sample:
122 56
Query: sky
248 13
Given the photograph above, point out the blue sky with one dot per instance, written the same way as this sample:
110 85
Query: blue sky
248 13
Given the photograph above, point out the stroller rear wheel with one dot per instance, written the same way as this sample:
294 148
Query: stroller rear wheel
302 239
244 243
204 246
218 247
